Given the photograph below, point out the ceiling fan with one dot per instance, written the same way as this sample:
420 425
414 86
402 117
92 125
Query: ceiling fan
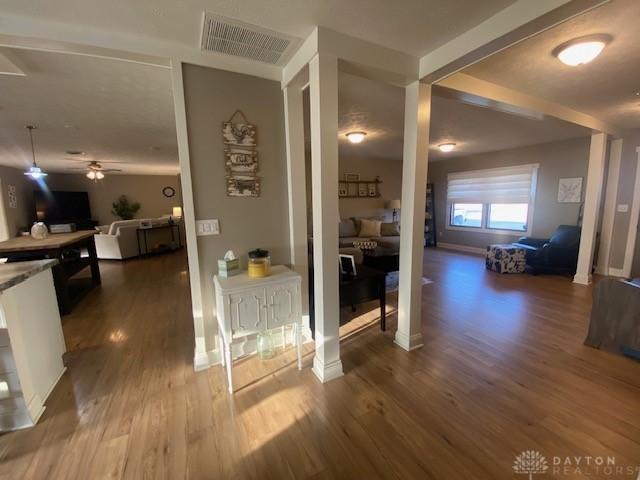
96 172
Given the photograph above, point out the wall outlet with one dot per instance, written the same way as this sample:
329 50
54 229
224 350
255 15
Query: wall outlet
207 227
623 208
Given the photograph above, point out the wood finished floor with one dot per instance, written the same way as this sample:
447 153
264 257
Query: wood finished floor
503 369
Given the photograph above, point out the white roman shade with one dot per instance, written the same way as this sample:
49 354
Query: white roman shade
495 185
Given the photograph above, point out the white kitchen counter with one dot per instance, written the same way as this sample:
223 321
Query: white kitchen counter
31 341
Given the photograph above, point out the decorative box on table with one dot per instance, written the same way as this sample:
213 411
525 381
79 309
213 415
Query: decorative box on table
505 258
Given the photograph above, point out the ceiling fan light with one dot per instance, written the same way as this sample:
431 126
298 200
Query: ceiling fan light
99 175
91 175
35 173
579 52
446 147
356 137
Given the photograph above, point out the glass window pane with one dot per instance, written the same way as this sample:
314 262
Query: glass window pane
508 216
466 215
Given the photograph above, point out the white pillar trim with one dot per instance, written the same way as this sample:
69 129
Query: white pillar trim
593 192
297 186
610 203
323 85
414 188
201 358
633 223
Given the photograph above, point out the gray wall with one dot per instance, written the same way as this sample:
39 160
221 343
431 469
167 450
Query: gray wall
146 189
211 97
389 171
19 217
567 158
629 160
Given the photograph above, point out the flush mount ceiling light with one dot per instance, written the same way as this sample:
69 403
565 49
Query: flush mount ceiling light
356 137
35 172
581 50
446 147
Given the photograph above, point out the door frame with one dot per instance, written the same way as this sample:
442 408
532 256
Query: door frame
633 223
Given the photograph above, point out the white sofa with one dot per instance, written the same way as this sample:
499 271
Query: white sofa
119 240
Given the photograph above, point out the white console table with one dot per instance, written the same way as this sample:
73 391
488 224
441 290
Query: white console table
248 306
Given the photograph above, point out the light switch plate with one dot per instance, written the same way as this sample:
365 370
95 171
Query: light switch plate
207 227
623 208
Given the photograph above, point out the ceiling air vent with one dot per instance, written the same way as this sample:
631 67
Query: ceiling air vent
231 37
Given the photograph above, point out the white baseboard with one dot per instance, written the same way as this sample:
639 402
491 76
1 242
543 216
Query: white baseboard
616 272
204 360
327 372
408 342
602 271
463 248
582 279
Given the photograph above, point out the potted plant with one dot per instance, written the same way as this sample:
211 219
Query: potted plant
124 209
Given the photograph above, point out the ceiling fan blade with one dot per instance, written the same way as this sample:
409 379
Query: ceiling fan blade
110 170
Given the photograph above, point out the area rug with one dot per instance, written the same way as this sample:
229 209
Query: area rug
393 280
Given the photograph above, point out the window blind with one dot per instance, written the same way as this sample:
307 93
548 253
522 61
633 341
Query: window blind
495 185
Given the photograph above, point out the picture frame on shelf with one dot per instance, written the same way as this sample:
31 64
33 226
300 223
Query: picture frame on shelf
352 189
372 189
342 189
351 177
363 191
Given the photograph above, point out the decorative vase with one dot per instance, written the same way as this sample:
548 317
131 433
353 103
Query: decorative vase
39 231
265 348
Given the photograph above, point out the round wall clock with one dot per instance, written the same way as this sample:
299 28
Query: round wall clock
168 192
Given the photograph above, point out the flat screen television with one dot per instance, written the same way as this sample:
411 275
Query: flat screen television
62 207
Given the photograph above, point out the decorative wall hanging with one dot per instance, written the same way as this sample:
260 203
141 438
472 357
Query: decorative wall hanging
239 133
13 198
243 186
168 192
570 190
241 159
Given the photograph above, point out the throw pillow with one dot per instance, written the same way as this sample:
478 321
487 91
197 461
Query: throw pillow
369 228
347 228
389 229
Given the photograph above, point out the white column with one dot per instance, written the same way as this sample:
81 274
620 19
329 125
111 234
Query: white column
610 204
593 192
296 177
204 355
417 113
323 81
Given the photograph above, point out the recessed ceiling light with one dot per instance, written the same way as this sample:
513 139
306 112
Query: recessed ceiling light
446 147
356 137
581 50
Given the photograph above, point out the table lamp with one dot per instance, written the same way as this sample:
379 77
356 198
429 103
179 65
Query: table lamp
395 206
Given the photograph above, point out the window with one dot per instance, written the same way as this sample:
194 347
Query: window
508 216
466 215
497 200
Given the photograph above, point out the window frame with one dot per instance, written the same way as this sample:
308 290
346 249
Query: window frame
484 228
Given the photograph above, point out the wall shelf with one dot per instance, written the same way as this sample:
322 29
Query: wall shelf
352 188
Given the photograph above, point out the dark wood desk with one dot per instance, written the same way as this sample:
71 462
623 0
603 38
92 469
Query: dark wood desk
366 286
66 248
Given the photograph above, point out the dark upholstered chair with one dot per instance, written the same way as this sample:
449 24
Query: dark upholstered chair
558 254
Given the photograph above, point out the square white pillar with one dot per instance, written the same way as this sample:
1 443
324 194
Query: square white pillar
323 84
297 186
417 113
591 208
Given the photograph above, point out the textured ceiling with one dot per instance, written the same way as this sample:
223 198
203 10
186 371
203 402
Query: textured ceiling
378 109
605 88
113 111
412 26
